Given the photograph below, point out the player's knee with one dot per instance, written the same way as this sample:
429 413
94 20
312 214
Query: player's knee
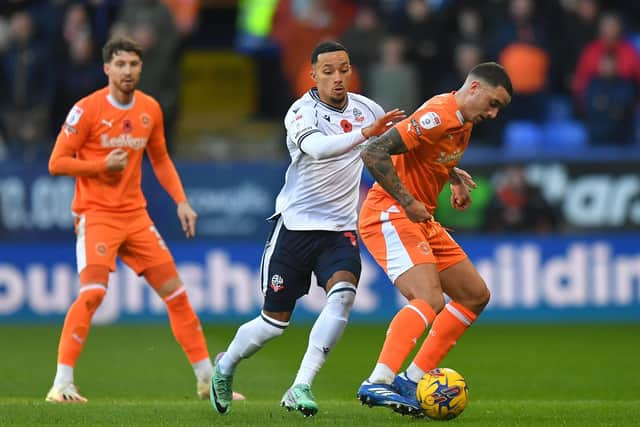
91 296
482 300
272 327
340 299
163 278
436 301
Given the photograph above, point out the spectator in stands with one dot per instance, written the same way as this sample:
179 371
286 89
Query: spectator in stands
299 25
27 92
520 45
393 80
609 104
365 33
151 25
518 206
610 40
185 15
78 76
421 28
469 26
580 28
466 56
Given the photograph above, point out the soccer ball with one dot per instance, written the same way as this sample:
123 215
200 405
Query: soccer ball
442 393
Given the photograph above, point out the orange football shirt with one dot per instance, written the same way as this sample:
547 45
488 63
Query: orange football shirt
95 126
436 136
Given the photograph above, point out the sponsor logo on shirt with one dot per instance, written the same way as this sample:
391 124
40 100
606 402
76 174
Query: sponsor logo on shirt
74 116
327 118
123 140
450 157
430 120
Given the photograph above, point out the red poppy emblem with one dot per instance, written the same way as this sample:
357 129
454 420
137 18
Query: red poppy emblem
346 125
127 127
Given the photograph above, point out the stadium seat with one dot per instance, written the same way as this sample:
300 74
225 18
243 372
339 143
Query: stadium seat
565 136
522 137
559 108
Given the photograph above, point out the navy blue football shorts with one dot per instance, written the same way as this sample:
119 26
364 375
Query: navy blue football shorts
291 256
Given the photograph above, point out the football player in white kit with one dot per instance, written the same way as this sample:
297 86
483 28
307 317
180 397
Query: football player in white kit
314 225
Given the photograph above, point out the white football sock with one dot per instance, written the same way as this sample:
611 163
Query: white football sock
64 375
414 373
249 339
382 374
203 369
326 331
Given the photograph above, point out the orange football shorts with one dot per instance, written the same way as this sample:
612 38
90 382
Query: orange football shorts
101 237
397 244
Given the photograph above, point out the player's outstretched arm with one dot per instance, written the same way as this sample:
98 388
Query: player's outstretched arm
377 159
384 123
322 147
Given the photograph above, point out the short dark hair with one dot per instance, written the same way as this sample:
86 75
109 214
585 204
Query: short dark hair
494 74
324 47
120 44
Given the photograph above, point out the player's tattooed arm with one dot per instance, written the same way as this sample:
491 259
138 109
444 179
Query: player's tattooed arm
377 158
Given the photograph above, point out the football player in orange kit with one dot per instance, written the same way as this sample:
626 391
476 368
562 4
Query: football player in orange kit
102 143
416 252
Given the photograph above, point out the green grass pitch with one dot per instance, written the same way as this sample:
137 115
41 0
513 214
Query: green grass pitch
518 375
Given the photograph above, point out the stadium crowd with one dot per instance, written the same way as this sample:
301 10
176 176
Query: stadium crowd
575 64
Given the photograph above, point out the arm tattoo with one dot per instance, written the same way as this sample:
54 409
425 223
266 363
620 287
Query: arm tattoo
377 159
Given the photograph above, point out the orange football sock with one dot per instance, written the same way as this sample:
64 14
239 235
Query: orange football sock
78 322
186 326
449 325
405 329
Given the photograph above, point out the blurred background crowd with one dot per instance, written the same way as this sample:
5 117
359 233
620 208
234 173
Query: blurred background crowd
225 73
554 223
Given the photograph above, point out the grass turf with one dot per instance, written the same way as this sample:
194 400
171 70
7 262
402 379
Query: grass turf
518 375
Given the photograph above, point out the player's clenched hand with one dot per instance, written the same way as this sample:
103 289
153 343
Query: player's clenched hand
381 125
116 160
187 218
460 196
466 178
417 212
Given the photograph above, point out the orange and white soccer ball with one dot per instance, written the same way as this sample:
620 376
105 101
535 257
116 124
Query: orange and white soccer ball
442 393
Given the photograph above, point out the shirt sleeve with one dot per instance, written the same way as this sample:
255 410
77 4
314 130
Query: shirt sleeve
161 162
301 128
73 134
425 126
300 123
378 111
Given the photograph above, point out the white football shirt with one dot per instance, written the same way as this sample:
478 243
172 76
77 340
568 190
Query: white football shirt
323 194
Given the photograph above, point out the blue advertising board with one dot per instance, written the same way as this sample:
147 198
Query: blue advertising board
532 279
232 201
